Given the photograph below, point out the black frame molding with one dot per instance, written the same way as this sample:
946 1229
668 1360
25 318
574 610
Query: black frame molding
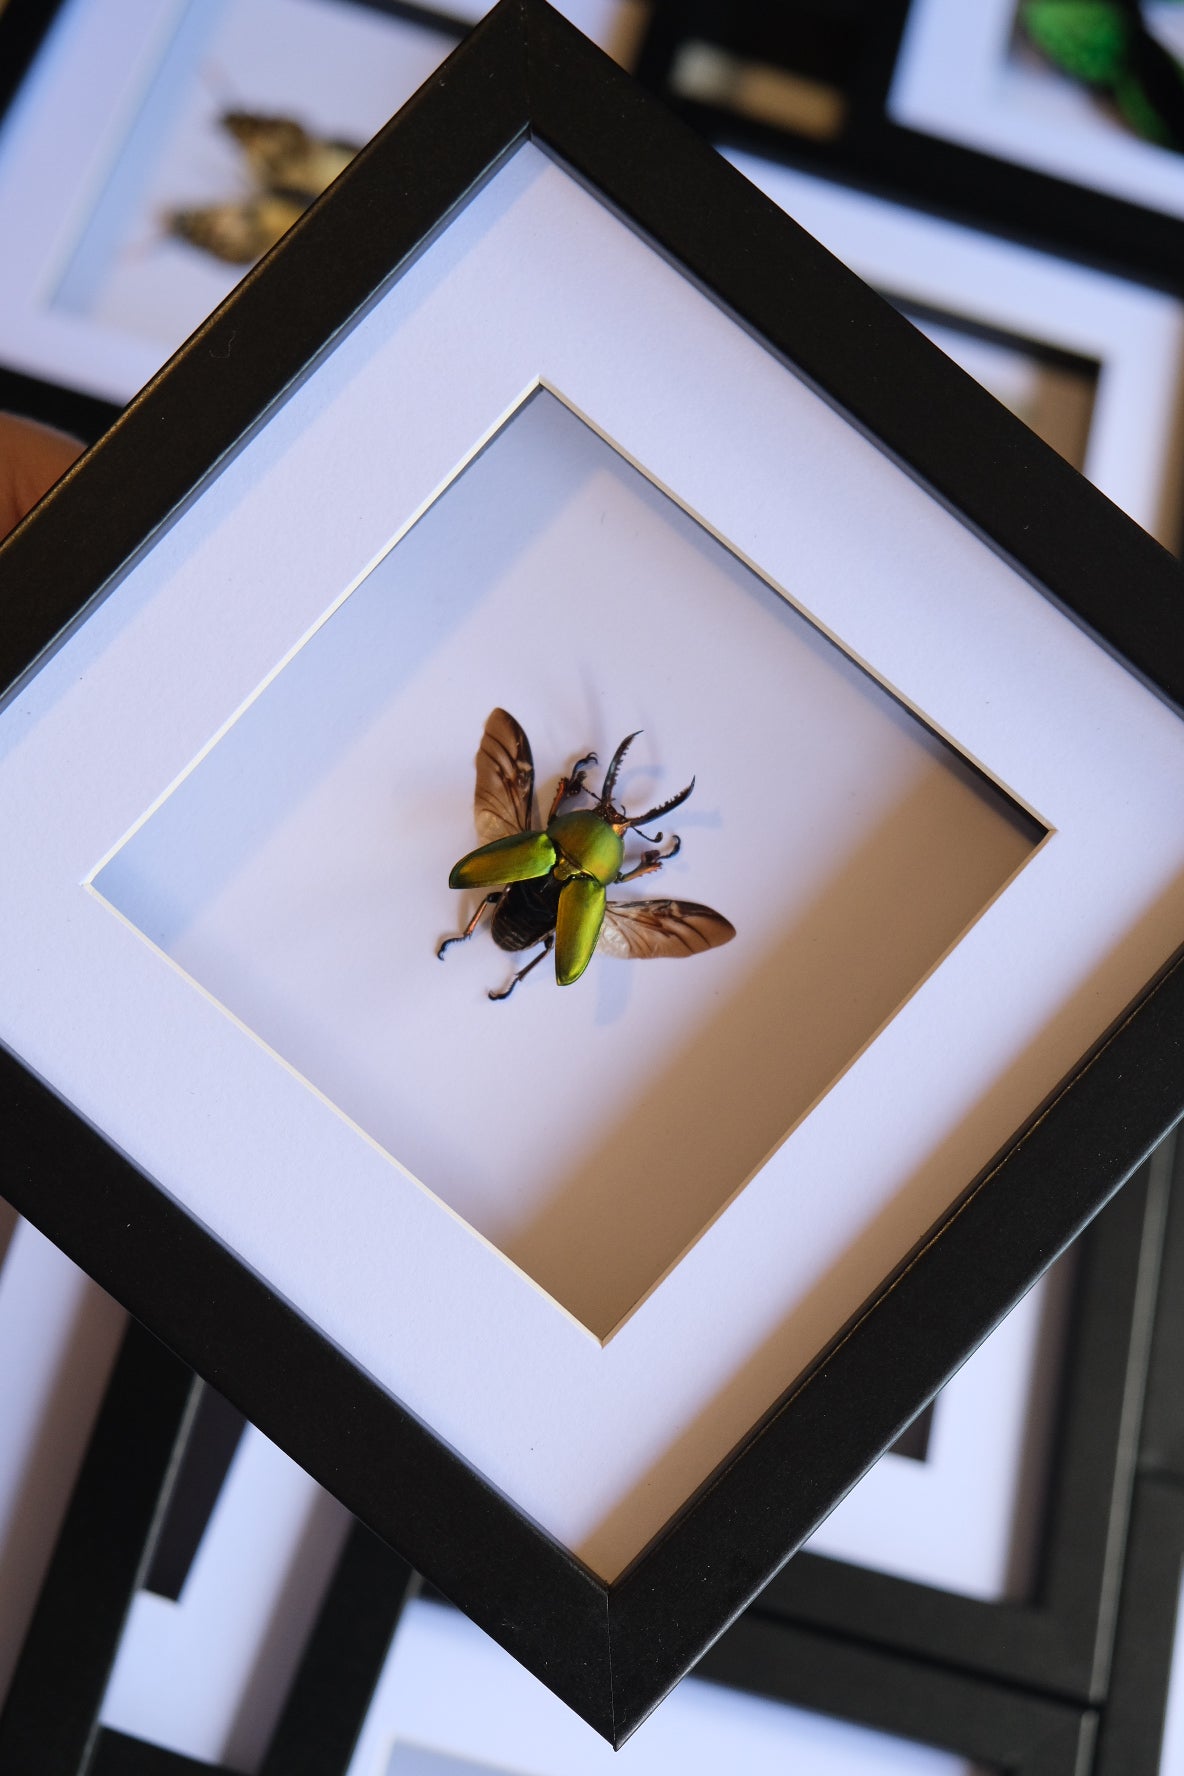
1134 1718
871 150
49 1724
1161 1444
611 1651
1001 1729
1059 1638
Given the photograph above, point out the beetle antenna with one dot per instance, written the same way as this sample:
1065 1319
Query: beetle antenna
610 776
653 838
662 808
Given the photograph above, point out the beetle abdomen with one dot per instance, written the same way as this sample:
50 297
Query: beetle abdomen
526 913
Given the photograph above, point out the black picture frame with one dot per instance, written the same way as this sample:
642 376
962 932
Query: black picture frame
995 1727
1161 1443
1132 1727
1001 1729
1059 1638
610 1650
855 44
49 1722
24 27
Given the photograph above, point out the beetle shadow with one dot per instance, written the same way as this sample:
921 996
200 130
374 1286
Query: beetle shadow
757 1060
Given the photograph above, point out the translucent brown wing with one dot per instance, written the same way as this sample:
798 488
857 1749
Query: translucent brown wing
504 802
238 233
644 928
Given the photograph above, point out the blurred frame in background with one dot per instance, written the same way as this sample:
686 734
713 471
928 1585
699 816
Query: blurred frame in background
152 150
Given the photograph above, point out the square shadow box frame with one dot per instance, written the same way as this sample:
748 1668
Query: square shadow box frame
340 1706
22 30
112 121
1056 1636
984 297
533 250
123 1505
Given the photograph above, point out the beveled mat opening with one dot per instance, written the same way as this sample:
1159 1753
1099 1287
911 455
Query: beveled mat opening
299 871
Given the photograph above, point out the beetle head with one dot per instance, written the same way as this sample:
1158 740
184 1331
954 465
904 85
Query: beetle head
616 817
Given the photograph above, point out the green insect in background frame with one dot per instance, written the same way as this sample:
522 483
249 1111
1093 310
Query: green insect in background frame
550 883
1105 45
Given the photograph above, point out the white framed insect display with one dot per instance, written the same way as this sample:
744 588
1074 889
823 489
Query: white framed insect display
589 1261
989 77
154 152
1093 362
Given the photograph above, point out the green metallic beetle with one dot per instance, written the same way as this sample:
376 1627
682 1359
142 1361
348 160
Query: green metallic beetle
550 883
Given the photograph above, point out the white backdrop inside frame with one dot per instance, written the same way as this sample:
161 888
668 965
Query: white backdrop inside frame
669 1084
206 1675
340 70
969 1516
599 1442
959 76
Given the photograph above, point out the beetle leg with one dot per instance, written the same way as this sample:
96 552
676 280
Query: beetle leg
573 785
548 946
652 860
490 900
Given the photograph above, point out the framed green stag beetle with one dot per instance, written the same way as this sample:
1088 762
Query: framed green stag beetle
591 1337
549 883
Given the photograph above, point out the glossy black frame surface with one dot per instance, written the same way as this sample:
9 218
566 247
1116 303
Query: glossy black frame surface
1000 1729
49 1723
1161 1442
872 150
610 1650
1059 1638
1131 1739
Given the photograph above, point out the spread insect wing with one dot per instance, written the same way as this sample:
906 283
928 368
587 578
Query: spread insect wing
553 879
288 167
